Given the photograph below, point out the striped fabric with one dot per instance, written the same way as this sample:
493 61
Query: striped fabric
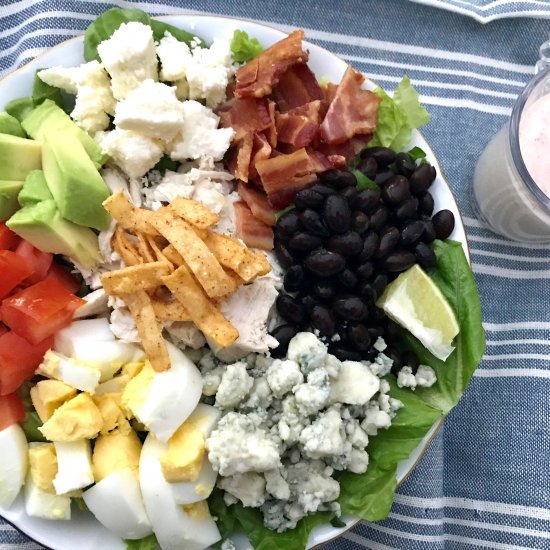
485 480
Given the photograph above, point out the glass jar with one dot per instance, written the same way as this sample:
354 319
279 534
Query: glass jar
505 196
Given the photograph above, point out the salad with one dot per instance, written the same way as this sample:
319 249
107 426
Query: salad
231 305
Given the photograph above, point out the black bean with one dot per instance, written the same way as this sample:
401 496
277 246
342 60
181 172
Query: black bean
408 210
392 332
382 177
323 189
379 284
410 359
388 241
288 223
397 362
365 270
359 221
347 244
412 232
295 278
383 155
290 309
444 223
350 309
375 332
379 218
337 214
284 257
425 256
429 231
344 353
313 223
323 320
399 260
308 198
369 167
304 242
283 334
426 203
396 190
348 279
338 178
309 302
367 200
370 246
358 336
323 289
350 193
404 164
421 179
368 294
325 263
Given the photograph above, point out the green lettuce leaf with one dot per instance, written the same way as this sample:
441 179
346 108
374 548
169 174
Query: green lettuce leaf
42 91
147 543
30 425
108 22
363 182
398 117
244 48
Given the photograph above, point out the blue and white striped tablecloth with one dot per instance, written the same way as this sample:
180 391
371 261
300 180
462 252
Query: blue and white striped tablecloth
485 481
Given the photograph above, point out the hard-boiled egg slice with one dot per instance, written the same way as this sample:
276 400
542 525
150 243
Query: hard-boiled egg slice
116 502
14 462
75 374
74 466
87 329
163 400
204 417
40 504
174 528
188 492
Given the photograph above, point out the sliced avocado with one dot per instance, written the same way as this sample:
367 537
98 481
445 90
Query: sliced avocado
43 226
8 198
18 156
76 185
19 108
35 189
48 119
10 125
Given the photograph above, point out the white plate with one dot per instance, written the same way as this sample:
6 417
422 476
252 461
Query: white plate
84 531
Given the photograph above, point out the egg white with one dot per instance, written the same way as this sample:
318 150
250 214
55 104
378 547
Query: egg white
14 463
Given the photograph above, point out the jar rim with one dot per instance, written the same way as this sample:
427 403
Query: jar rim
513 133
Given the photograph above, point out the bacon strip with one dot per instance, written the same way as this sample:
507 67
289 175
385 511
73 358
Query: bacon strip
244 154
250 229
352 111
261 150
257 202
246 116
257 77
300 125
296 87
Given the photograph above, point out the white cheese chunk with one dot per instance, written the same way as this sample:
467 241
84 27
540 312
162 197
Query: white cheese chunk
354 385
174 57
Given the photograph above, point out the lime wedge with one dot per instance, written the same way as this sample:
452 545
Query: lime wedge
415 302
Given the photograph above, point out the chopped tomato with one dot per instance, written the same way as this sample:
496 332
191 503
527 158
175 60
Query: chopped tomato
39 310
13 270
40 261
12 410
19 359
61 275
8 239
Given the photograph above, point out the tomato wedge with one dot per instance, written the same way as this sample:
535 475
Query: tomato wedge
13 270
62 276
11 410
19 359
40 310
8 239
40 261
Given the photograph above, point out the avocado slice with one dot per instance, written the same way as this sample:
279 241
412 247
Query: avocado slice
8 198
35 189
10 125
18 156
48 119
19 108
42 225
73 180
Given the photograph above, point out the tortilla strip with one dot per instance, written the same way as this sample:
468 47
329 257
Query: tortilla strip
145 250
264 267
157 249
134 278
148 328
196 254
202 311
193 212
170 311
129 216
173 255
124 248
228 251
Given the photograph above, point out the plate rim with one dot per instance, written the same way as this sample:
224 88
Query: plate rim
438 424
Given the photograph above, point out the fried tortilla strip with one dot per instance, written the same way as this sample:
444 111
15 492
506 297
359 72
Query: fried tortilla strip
124 248
202 311
149 329
193 212
135 278
196 254
146 253
170 311
157 248
262 263
129 216
173 255
228 251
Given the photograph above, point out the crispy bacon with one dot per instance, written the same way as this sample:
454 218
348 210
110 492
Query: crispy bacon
246 116
250 229
244 155
300 125
257 77
258 203
284 195
271 132
261 150
352 111
297 86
